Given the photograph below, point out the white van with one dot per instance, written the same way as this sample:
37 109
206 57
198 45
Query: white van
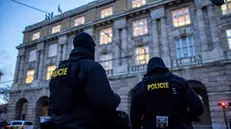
19 124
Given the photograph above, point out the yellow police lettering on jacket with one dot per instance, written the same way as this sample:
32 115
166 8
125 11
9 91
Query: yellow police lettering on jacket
59 72
155 86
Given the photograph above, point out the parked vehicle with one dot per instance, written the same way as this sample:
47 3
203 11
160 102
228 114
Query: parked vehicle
19 124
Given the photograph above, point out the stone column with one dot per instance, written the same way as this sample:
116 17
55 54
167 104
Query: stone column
155 40
64 52
37 64
16 74
202 32
41 65
116 48
165 45
21 77
61 43
124 45
213 27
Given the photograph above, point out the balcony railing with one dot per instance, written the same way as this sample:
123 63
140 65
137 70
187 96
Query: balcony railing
138 68
109 72
186 61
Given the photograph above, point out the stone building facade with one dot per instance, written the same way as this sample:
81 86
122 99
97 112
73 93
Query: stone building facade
193 38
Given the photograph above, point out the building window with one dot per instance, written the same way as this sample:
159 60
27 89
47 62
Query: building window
106 61
185 47
106 12
36 36
140 27
56 29
138 3
142 55
226 8
44 110
32 56
228 32
181 17
50 70
79 21
29 76
106 36
52 50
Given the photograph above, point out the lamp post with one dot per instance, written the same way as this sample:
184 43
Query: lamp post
223 106
0 75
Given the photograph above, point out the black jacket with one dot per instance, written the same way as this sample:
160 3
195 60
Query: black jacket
177 100
93 96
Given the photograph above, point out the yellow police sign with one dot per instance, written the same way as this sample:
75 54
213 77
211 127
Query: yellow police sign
155 86
59 72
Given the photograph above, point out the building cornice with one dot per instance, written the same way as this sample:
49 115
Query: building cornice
92 23
67 14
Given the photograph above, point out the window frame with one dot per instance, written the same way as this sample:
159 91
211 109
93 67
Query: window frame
226 5
183 14
34 35
75 23
52 28
145 54
49 72
181 55
106 8
52 55
104 62
133 27
30 76
30 59
140 1
110 37
228 38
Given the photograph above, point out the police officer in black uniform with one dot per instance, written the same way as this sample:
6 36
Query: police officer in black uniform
80 94
163 100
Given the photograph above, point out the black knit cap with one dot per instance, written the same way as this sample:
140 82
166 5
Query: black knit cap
156 64
84 40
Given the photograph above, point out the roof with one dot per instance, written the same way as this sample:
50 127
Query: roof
81 9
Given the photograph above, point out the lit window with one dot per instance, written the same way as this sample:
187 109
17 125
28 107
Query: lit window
228 32
29 76
142 55
50 70
79 21
56 29
138 3
36 36
52 50
44 110
140 27
226 7
106 36
185 47
106 61
32 56
181 17
106 12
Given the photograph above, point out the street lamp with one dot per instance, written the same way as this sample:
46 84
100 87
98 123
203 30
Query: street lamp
223 105
0 75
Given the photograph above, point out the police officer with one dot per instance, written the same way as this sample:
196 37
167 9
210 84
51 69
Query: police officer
163 100
80 94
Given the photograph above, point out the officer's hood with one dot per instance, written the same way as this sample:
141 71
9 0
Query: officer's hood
84 47
156 65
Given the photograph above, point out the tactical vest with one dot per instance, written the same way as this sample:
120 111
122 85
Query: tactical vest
164 96
64 88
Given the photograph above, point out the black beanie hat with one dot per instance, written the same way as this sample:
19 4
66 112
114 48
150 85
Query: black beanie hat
156 64
84 40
